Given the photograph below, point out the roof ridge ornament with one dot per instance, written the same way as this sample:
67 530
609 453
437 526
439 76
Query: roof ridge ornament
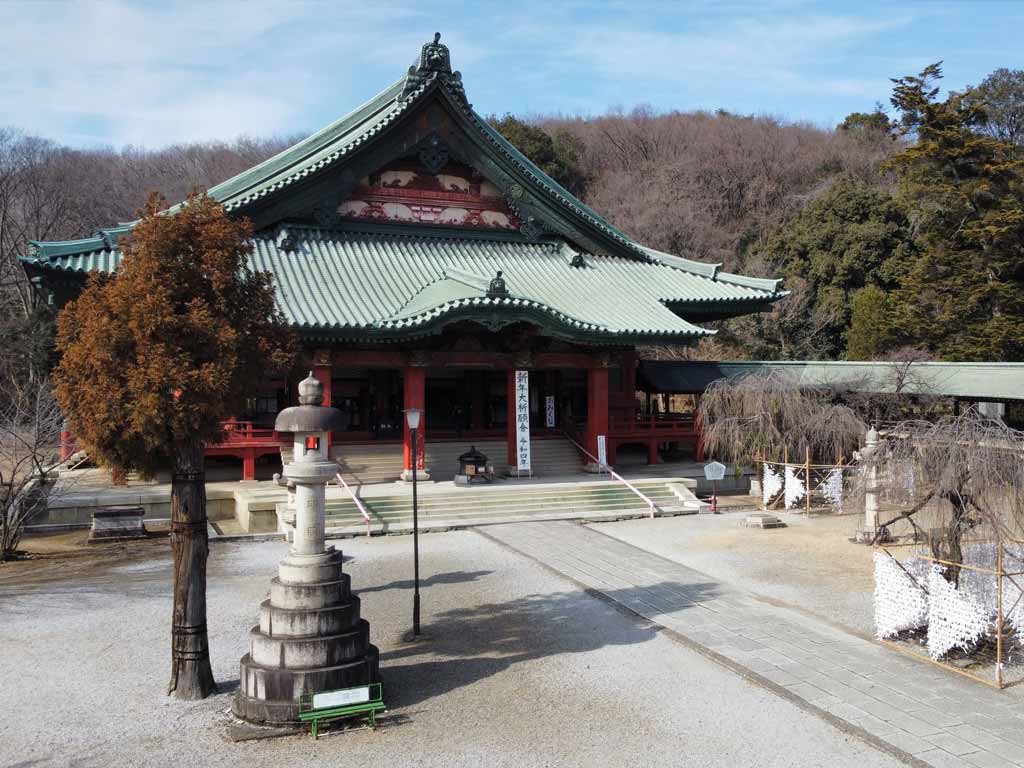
497 288
434 63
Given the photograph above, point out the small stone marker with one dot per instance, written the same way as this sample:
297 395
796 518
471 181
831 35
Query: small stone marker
761 520
117 524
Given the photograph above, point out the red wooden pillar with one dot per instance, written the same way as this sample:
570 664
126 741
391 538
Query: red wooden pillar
249 464
322 373
414 395
66 445
597 411
513 453
653 456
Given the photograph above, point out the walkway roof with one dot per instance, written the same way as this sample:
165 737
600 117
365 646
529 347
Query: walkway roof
968 381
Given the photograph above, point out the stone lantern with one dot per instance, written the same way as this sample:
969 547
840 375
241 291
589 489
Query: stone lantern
310 637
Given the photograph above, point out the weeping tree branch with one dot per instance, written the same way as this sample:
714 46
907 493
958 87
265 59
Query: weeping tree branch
950 477
765 416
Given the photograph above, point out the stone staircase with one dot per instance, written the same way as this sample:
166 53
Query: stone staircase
481 505
366 464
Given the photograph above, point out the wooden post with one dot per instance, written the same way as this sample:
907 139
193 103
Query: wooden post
191 675
807 488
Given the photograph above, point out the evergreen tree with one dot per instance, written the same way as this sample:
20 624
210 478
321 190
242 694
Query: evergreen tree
872 331
153 359
962 296
854 235
556 154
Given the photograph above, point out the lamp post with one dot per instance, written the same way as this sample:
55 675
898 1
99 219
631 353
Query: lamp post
412 419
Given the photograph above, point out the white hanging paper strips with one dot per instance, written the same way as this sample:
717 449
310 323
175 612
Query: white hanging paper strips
770 485
1013 599
955 619
833 488
523 421
794 487
900 602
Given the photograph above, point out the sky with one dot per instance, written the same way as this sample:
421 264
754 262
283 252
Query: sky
149 74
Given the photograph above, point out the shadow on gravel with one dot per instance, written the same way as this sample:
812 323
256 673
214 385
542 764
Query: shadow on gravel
468 645
452 577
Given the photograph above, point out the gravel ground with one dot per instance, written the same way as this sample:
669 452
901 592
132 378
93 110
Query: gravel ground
522 668
810 564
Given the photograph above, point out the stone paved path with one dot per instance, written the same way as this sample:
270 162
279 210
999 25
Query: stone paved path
909 708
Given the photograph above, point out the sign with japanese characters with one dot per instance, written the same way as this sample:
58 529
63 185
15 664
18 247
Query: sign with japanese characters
602 451
341 698
714 471
549 411
523 421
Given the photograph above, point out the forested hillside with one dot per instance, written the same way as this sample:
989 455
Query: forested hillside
897 230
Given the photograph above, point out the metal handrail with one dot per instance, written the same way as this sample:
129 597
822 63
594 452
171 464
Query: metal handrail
604 465
359 504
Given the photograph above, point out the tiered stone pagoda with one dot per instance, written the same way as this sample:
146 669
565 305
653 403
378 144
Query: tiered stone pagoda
310 637
386 233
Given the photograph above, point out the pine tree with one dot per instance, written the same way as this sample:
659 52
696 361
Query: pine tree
962 297
153 359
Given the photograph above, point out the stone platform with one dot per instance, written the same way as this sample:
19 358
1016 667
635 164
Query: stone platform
310 638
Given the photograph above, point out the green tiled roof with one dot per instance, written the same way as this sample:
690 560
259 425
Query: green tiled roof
324 148
977 381
392 283
394 280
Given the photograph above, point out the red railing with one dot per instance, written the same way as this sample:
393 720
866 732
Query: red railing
656 424
247 433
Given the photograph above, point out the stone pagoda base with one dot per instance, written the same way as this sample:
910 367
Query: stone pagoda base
310 639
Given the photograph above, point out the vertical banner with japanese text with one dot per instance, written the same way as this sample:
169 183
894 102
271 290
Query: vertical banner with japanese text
523 421
549 411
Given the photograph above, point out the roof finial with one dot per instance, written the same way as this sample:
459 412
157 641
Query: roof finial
434 63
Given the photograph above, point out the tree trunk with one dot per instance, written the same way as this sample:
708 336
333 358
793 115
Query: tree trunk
191 675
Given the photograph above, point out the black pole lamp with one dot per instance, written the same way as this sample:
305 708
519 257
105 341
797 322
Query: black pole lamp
412 419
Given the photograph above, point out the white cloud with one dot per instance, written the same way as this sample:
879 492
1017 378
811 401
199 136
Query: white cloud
114 72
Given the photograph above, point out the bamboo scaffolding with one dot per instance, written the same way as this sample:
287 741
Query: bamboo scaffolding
1001 614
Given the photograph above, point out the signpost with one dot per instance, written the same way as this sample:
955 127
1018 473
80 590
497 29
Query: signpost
522 421
602 452
714 471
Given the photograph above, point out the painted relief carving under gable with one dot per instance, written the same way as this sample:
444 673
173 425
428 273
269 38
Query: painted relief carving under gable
403 192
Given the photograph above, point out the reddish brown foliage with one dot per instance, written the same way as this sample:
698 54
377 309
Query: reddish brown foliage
156 357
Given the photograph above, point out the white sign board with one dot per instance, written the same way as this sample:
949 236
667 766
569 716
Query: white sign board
549 411
523 421
602 451
341 698
714 471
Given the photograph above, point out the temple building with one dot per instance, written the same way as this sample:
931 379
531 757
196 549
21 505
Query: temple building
425 261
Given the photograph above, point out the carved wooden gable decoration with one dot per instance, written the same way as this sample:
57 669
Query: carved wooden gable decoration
429 189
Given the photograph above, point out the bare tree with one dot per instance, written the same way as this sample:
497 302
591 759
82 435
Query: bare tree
30 427
943 480
762 417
